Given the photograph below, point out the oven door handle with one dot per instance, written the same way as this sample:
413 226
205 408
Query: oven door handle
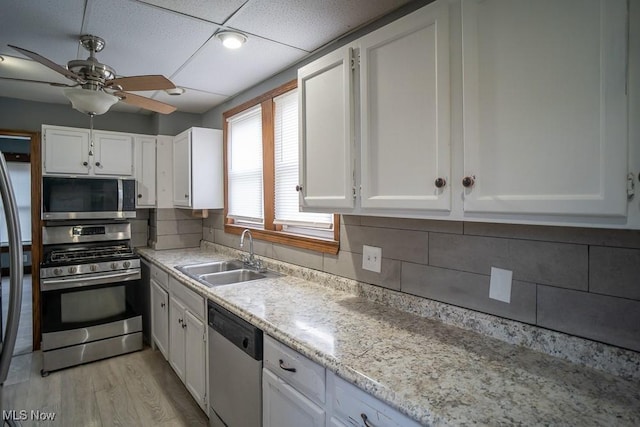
79 282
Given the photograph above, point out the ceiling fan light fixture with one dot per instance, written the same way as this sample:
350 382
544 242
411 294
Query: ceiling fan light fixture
231 39
92 102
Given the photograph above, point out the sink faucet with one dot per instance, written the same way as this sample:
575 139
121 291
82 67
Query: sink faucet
251 261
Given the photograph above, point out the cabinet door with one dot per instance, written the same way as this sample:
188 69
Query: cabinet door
404 110
160 318
195 375
113 154
182 170
283 406
145 172
545 106
325 89
177 337
65 151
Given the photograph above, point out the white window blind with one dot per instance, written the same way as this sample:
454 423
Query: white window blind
287 211
245 167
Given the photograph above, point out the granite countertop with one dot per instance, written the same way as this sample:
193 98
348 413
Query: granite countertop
434 373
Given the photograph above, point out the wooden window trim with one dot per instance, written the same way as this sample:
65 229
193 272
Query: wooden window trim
271 232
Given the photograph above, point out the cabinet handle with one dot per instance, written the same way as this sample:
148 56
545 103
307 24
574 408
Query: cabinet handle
365 420
285 368
440 182
468 181
298 188
85 163
98 164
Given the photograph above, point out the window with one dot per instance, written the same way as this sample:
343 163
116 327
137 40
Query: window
261 150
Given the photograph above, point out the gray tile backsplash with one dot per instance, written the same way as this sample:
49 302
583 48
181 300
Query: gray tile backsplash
581 281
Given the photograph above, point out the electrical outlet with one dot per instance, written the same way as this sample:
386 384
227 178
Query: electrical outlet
371 258
500 284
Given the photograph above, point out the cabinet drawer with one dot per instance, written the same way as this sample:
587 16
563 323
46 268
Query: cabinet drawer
161 277
308 377
192 301
351 405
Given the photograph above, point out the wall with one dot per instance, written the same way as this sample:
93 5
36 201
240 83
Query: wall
584 282
176 122
174 229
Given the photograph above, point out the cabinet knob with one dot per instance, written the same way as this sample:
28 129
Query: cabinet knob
298 188
139 196
162 304
186 196
85 163
98 164
468 181
184 325
440 182
180 321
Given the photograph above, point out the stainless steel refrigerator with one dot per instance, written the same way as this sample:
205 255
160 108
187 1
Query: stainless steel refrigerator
9 333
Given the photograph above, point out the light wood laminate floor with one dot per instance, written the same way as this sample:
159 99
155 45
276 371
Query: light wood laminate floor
136 389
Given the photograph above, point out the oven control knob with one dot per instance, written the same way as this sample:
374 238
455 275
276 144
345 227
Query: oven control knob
73 270
57 271
114 265
126 264
93 267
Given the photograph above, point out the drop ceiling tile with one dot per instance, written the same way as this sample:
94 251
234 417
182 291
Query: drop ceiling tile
192 101
224 71
142 39
216 11
46 27
308 24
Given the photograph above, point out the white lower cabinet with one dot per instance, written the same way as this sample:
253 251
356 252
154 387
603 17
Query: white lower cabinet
160 318
187 340
284 406
352 406
298 392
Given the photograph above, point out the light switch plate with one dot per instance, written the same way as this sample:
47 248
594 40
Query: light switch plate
500 284
371 258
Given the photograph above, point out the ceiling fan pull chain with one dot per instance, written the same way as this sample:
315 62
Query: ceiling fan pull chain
91 134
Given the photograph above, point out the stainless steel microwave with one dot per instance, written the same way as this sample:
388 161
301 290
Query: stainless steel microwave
88 198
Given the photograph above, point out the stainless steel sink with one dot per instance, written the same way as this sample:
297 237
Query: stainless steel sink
210 267
223 273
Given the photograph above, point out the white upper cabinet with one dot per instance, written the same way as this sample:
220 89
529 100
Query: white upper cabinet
65 151
198 169
325 89
145 155
545 122
113 154
69 152
404 112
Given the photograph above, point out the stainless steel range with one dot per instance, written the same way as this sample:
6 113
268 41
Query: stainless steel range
90 293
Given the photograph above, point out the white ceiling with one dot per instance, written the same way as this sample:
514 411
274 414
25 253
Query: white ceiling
173 38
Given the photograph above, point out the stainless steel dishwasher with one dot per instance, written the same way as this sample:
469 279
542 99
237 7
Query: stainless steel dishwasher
235 370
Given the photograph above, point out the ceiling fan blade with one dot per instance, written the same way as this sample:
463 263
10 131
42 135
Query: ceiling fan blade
37 81
136 83
146 103
48 63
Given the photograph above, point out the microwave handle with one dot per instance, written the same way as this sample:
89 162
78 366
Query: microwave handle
120 195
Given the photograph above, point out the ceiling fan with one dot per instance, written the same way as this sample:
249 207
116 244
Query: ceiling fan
96 86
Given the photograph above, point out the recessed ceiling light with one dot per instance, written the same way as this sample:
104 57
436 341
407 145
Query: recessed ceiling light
175 91
231 39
